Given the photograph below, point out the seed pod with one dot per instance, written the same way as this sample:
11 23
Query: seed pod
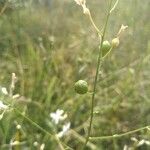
106 46
81 87
115 42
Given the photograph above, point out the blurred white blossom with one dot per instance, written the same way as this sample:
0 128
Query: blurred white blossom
139 143
15 96
35 144
65 129
57 116
125 147
42 146
14 143
3 106
4 91
142 142
18 126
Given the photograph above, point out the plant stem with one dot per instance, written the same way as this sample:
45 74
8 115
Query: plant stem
42 129
93 23
119 135
99 64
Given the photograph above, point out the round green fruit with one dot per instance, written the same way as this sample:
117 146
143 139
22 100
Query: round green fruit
81 87
106 46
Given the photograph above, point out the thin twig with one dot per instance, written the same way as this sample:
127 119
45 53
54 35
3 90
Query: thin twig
119 135
115 5
96 28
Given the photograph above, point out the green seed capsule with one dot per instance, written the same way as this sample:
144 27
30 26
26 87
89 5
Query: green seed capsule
81 87
106 46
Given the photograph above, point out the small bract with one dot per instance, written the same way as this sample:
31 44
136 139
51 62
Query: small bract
81 87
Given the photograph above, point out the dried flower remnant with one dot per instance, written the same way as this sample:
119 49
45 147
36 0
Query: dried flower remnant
83 4
122 29
57 116
116 41
80 2
86 11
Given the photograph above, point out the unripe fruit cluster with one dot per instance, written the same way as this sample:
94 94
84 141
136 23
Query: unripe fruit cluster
106 46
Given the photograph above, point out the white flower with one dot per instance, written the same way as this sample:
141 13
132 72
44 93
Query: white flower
4 91
3 106
65 129
58 116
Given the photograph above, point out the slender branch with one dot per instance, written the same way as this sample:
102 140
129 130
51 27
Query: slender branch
99 64
115 5
119 135
82 139
96 28
42 129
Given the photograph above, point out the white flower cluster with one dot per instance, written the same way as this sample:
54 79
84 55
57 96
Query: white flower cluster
57 117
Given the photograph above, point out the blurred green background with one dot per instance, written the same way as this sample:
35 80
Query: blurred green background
50 45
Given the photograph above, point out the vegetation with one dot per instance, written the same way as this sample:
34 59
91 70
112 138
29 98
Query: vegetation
45 48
